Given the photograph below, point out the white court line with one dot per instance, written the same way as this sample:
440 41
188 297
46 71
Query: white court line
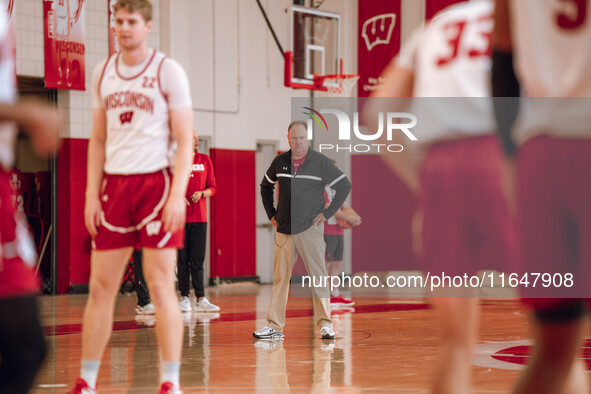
47 386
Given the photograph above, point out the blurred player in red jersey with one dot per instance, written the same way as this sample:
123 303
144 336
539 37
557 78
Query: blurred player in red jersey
542 51
142 105
22 345
463 223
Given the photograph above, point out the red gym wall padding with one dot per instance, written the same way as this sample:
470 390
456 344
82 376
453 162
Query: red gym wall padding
73 239
233 220
383 241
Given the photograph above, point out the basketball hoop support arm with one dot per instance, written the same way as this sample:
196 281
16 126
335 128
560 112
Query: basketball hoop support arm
270 27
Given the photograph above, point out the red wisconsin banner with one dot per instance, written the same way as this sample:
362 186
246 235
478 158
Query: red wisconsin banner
113 44
432 7
378 41
64 44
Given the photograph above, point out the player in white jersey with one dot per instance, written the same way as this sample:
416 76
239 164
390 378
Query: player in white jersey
542 51
22 345
463 223
142 105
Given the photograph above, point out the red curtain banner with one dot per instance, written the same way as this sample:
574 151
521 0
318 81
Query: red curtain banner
64 44
378 41
113 44
432 7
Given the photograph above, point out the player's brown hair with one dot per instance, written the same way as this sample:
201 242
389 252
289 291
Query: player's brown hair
144 7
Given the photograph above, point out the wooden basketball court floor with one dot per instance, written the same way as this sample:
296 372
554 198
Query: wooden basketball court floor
383 345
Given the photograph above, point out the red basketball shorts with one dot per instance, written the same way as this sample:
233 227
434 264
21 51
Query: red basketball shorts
467 224
132 212
17 252
554 217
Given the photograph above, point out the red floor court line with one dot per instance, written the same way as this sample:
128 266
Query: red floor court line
72 329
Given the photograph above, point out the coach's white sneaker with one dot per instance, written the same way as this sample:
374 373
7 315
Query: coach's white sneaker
326 332
147 309
268 333
185 304
205 306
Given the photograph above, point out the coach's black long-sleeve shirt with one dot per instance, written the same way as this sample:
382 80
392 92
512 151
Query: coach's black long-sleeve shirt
301 193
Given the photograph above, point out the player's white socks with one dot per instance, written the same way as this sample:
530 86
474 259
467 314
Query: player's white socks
89 371
169 372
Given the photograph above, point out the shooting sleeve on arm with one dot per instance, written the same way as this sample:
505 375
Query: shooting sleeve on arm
506 91
268 189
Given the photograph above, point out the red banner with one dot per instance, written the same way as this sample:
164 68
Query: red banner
379 41
113 43
432 7
64 44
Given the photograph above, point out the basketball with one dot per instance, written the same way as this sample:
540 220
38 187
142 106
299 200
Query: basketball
342 222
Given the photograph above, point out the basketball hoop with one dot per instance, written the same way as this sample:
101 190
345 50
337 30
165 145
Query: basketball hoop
337 85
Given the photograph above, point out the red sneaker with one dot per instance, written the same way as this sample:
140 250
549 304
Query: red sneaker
82 388
168 388
340 301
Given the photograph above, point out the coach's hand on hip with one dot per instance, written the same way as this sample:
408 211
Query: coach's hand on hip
173 215
319 219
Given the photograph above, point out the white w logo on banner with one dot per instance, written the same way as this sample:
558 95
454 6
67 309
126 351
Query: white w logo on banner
378 30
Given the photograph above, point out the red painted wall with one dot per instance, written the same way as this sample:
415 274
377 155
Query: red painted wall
233 220
73 239
383 241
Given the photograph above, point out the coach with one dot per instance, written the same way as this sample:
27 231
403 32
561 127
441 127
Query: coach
301 174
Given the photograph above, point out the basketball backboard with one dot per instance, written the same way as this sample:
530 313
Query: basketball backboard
315 46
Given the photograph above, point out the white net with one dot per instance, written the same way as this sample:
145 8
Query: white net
339 85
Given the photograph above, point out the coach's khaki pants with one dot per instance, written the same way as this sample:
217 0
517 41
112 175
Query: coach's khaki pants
310 245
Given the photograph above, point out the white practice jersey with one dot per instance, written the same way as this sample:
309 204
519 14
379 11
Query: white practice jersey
450 57
552 47
137 101
8 94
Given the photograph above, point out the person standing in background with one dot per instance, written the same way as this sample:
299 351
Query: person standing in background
301 175
144 304
190 258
